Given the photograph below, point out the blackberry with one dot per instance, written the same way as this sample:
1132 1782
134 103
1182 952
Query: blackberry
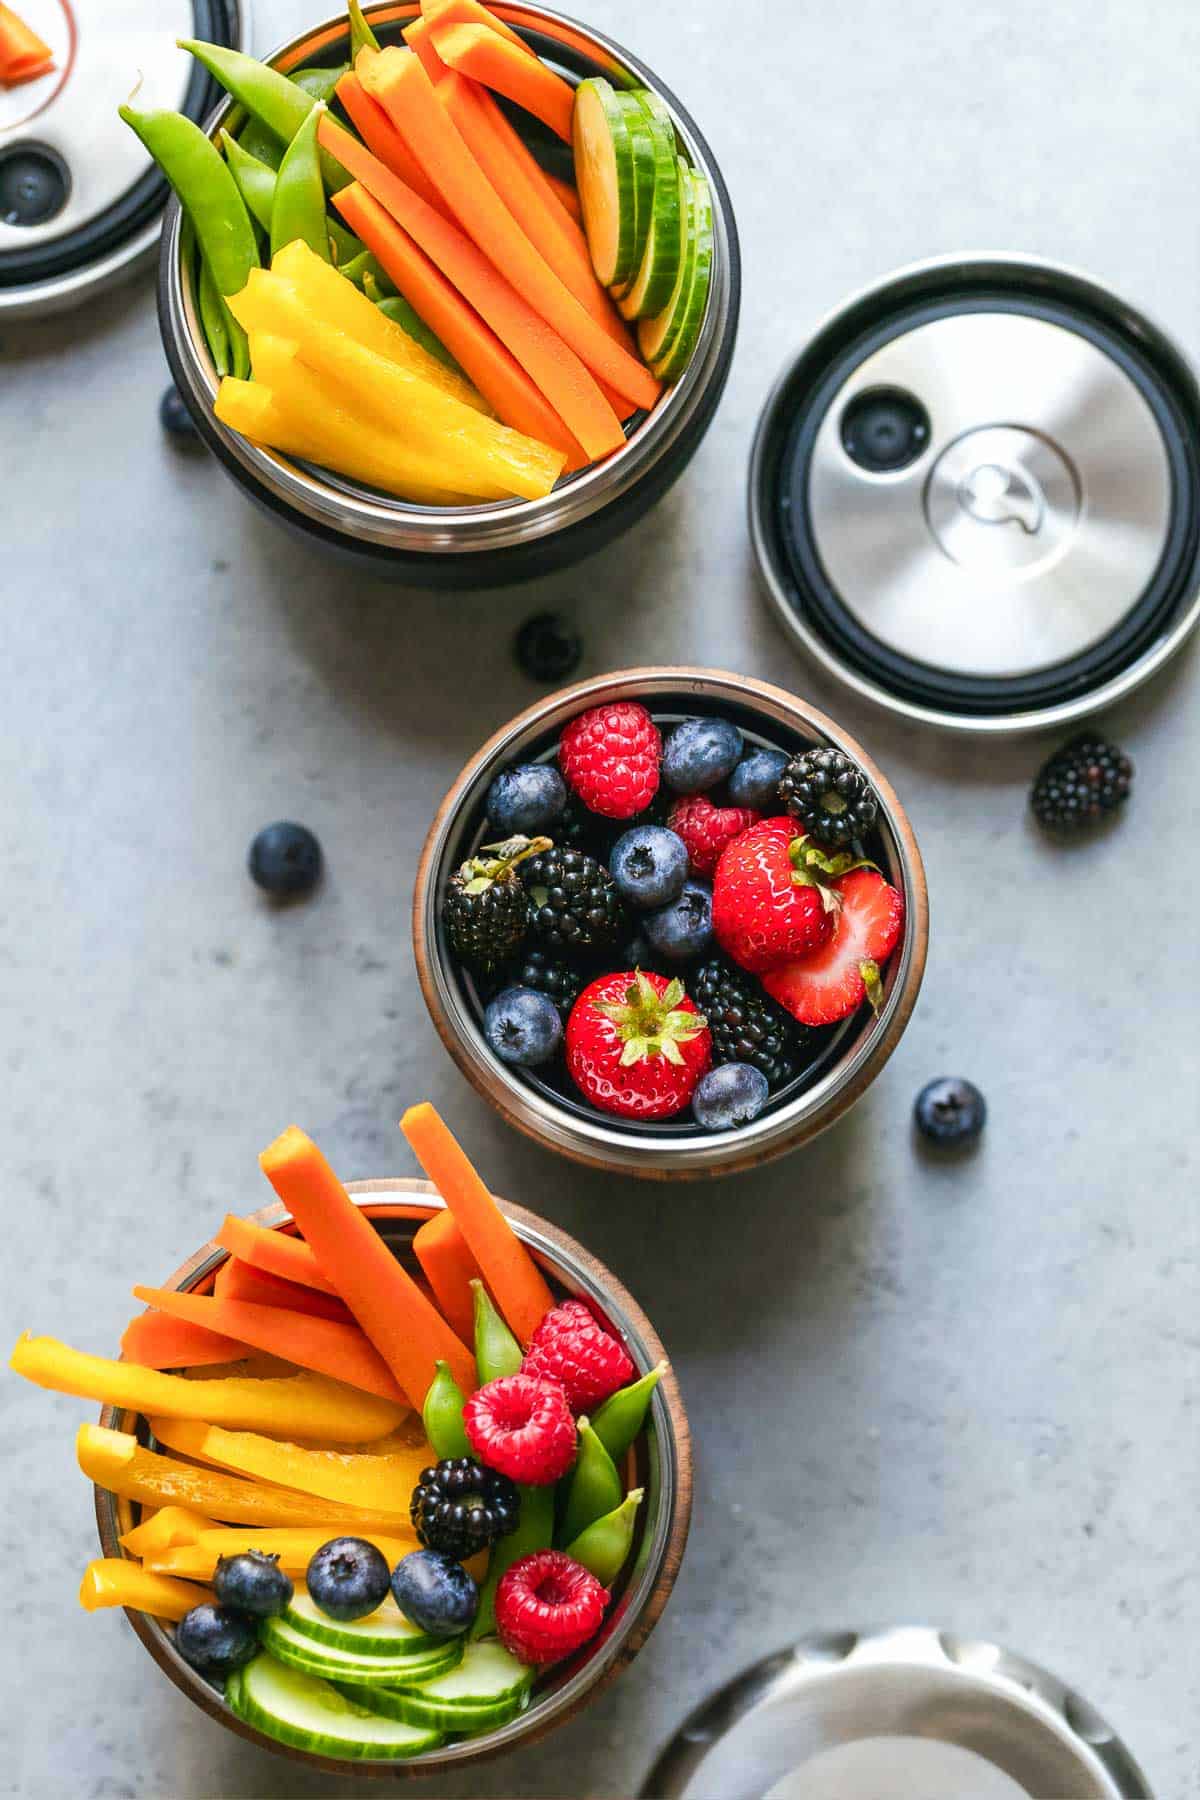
1080 783
746 1024
551 975
575 903
830 796
486 911
460 1507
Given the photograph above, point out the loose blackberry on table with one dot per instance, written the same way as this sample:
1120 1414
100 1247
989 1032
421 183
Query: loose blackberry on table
574 900
830 796
1080 783
460 1507
747 1025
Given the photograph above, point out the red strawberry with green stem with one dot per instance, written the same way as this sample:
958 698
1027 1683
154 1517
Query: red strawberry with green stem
832 982
636 1045
772 896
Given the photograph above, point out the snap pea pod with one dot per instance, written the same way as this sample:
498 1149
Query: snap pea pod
212 319
320 83
361 35
618 1421
273 99
497 1352
209 195
603 1547
535 1531
443 1415
397 308
256 179
299 207
260 143
593 1487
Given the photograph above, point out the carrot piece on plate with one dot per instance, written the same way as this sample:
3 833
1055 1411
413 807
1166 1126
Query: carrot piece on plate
516 1283
525 80
159 1342
400 84
409 1335
441 1249
23 55
238 1280
275 1251
382 139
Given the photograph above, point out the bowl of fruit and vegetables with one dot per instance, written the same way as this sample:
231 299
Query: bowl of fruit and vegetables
387 1476
671 921
453 287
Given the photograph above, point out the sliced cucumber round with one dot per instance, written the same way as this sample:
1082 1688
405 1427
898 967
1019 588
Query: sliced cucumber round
684 334
643 138
604 177
654 331
487 1689
664 250
309 1714
334 1664
385 1632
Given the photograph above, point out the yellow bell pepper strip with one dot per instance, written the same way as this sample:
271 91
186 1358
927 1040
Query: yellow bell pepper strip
486 457
162 1530
304 1406
376 1483
295 1550
116 1461
113 1581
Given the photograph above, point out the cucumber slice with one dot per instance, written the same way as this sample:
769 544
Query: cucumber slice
684 334
488 1688
385 1632
644 139
309 1714
328 1661
654 282
654 331
604 176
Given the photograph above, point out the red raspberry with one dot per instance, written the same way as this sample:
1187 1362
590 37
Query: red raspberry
706 829
522 1427
610 756
547 1606
570 1347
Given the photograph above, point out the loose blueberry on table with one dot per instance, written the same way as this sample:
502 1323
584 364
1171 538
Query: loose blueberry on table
950 1111
685 901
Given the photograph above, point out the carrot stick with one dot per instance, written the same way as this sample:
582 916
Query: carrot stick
23 55
419 39
397 80
383 140
238 1280
319 1344
562 378
525 80
409 1334
441 1250
514 1279
275 1251
158 1342
470 12
565 194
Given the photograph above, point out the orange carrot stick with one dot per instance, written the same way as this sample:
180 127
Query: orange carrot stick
419 39
470 12
565 194
397 80
441 1250
158 1342
275 1251
562 378
23 55
408 1333
383 140
526 80
238 1280
319 1344
514 1279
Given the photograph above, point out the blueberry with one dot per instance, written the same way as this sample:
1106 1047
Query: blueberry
215 1639
728 1096
435 1593
683 929
699 753
526 799
252 1582
649 864
285 859
347 1578
523 1027
755 781
175 418
950 1110
548 647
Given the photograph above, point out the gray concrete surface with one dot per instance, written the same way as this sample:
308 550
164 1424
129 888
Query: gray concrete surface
962 1393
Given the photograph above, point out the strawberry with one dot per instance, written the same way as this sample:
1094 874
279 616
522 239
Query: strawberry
768 901
636 1045
833 982
706 829
610 757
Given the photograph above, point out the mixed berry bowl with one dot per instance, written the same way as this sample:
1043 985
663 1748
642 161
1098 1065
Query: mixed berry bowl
671 922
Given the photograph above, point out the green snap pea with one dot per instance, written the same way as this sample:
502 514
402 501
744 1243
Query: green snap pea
212 319
256 179
320 83
593 1487
358 267
535 1531
604 1545
344 243
260 143
361 35
274 100
443 1415
396 308
618 1421
497 1352
209 195
299 207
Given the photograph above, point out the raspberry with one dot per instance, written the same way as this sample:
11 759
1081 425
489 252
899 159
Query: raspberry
610 757
548 1606
522 1427
706 829
570 1347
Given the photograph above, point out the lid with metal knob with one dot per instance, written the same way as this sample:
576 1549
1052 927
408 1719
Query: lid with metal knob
80 199
975 495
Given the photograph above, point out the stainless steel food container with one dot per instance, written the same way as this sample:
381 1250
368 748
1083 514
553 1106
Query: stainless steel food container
671 1150
502 541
